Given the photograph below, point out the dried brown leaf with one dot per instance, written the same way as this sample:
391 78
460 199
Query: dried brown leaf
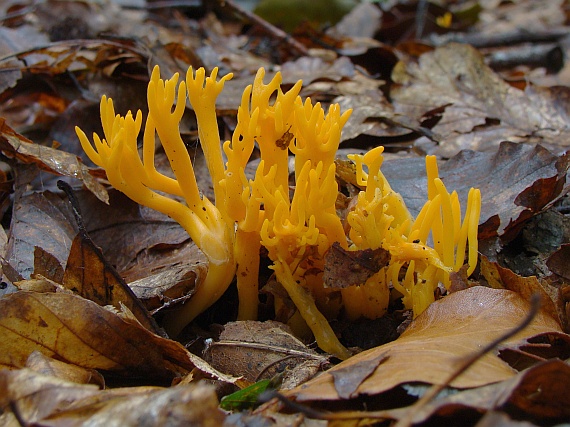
89 275
451 328
36 395
42 364
260 350
49 159
184 405
348 268
480 108
48 401
78 331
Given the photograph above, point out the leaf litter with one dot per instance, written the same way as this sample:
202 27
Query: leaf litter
492 129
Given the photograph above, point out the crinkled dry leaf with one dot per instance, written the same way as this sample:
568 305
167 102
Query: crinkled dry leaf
48 401
348 268
42 364
260 350
49 159
78 331
451 328
183 405
36 395
480 108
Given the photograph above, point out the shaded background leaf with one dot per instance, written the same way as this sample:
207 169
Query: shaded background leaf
480 109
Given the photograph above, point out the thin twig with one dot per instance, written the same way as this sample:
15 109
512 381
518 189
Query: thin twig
266 26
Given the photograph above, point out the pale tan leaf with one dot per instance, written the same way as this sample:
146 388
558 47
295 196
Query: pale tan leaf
42 364
451 328
48 401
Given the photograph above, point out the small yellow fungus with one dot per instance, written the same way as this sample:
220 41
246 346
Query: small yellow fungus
297 227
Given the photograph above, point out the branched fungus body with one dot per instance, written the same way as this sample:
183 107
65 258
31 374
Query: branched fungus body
297 227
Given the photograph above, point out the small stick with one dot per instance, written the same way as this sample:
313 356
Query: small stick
550 56
503 39
266 26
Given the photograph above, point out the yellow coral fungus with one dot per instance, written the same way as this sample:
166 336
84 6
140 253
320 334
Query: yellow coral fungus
296 227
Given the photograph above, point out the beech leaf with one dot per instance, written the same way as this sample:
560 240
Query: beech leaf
451 328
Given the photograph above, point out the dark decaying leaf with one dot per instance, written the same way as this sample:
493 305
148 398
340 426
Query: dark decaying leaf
349 268
49 159
540 393
47 265
75 330
171 281
12 41
347 381
39 219
89 275
133 237
481 109
548 345
558 262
